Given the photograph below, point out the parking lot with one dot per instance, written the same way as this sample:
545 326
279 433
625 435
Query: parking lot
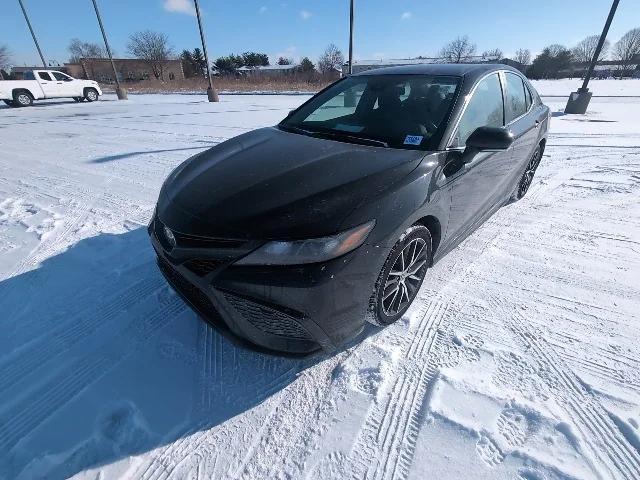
521 357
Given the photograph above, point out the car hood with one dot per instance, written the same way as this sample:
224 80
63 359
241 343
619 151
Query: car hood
271 184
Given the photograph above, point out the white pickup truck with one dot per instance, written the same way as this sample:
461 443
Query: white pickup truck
41 84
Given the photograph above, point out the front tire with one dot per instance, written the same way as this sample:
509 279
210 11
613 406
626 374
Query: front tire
22 98
401 276
91 94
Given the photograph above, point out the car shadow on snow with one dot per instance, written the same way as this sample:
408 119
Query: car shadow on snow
100 360
122 156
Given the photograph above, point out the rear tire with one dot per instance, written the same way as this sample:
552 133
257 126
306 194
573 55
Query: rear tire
527 177
91 94
22 98
401 276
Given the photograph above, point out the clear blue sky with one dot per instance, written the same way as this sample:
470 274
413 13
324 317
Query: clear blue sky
384 28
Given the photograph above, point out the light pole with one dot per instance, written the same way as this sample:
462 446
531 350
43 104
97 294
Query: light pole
212 95
120 92
579 101
35 40
351 38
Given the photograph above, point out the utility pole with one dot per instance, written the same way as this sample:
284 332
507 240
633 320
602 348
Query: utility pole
212 95
35 40
351 38
579 101
121 92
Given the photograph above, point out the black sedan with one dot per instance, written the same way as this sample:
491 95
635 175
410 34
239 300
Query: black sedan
290 237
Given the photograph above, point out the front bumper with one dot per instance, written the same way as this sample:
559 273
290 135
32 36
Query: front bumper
284 309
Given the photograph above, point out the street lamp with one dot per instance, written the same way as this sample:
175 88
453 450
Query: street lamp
120 92
579 101
212 95
35 40
351 38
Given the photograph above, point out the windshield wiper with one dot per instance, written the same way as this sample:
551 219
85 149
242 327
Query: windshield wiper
337 135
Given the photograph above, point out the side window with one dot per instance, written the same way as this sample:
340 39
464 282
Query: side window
516 102
485 108
44 76
60 76
527 94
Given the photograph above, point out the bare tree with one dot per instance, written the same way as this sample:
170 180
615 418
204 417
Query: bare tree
331 59
626 49
4 56
583 52
79 50
458 51
153 48
494 54
523 56
4 59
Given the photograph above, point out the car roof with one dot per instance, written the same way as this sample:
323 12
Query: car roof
454 69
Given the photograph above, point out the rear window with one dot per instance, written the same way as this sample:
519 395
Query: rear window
44 76
29 76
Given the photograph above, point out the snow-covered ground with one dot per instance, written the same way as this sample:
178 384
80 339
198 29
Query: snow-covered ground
601 88
520 359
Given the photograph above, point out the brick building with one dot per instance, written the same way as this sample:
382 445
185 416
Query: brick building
129 69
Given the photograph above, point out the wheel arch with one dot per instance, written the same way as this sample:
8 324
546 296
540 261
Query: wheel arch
435 229
17 91
543 143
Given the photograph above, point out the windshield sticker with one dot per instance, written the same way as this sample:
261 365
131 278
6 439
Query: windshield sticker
413 139
348 128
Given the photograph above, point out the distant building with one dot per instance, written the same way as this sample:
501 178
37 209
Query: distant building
605 69
269 70
129 69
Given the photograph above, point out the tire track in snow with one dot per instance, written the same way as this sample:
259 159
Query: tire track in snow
204 444
25 416
35 355
387 439
608 448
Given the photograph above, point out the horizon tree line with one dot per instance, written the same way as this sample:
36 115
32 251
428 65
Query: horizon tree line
154 49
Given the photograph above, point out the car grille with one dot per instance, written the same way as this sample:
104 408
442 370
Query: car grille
268 319
202 266
191 241
192 293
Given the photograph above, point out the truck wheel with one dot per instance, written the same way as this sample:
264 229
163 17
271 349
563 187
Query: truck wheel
10 103
90 94
22 99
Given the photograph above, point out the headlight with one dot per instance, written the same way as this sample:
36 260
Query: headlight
309 251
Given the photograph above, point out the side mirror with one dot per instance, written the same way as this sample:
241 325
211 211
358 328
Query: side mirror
490 139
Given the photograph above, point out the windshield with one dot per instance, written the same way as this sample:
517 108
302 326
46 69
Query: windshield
398 111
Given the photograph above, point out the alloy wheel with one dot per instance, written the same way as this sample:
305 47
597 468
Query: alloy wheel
405 277
527 177
23 99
